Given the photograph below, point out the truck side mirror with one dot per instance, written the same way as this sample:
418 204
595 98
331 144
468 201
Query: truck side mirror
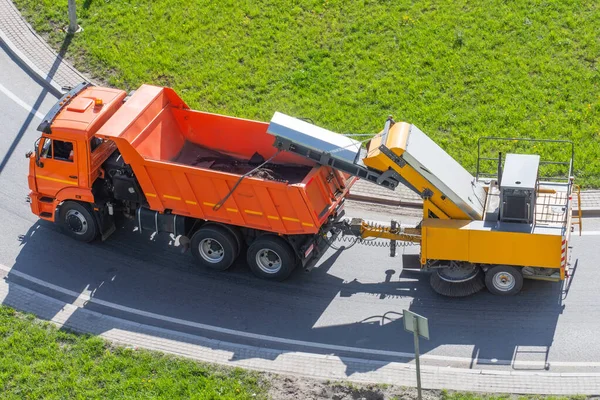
37 154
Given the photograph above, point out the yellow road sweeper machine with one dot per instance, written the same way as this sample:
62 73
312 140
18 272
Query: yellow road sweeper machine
489 230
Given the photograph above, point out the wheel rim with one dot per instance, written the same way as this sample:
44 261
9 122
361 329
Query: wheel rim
211 250
76 222
458 273
504 281
268 261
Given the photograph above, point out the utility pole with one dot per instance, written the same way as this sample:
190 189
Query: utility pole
73 26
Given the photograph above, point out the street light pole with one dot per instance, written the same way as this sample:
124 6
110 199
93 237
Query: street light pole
73 27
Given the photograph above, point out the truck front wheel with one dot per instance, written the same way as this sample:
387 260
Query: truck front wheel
271 257
215 247
77 221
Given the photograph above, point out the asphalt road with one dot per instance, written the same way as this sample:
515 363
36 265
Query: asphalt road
353 299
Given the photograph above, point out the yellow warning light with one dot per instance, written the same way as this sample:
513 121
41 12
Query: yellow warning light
98 102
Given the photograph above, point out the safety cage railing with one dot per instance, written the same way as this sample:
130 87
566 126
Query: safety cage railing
555 182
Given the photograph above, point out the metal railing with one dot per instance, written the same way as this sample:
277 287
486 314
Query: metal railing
547 198
562 177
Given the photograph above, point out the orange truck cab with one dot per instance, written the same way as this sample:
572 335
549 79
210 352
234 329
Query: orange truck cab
68 157
215 181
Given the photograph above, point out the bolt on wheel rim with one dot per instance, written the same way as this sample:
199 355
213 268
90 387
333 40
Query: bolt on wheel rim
268 261
76 222
504 281
211 250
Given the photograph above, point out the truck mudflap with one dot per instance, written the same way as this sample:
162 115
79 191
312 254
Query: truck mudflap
104 215
311 252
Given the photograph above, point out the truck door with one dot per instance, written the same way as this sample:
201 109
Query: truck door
57 166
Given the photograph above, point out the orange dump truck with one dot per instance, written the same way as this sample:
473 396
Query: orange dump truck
216 180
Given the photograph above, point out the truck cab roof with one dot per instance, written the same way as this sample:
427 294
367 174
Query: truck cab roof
83 110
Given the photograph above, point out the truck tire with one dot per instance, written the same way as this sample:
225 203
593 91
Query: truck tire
77 221
239 238
270 257
215 247
504 280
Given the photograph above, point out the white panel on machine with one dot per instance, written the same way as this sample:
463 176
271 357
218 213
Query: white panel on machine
429 159
520 171
314 137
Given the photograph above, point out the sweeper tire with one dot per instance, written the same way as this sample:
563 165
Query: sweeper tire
504 280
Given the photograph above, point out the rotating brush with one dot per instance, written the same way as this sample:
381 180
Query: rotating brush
461 288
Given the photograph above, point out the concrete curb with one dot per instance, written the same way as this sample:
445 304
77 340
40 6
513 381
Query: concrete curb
586 212
384 201
29 65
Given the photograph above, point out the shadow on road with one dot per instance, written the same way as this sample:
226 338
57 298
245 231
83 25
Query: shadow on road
39 100
500 329
152 277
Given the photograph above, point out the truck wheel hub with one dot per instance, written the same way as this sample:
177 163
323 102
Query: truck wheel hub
503 281
76 222
268 261
211 250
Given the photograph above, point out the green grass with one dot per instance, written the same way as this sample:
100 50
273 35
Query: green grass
38 361
458 69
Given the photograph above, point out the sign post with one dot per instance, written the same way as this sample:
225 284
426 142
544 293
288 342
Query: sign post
420 327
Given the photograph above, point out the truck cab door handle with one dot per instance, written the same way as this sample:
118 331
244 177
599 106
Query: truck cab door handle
73 176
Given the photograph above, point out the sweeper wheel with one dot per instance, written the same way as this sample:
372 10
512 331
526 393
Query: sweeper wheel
458 280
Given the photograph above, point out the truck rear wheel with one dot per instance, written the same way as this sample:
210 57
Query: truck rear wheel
215 247
78 221
239 238
504 280
271 257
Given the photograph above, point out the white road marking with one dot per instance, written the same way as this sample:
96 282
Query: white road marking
587 233
274 339
20 102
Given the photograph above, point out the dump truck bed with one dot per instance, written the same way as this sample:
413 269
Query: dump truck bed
188 161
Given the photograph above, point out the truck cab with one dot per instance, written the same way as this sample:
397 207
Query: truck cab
68 156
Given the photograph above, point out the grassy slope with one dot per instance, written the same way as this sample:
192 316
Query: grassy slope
458 69
38 361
